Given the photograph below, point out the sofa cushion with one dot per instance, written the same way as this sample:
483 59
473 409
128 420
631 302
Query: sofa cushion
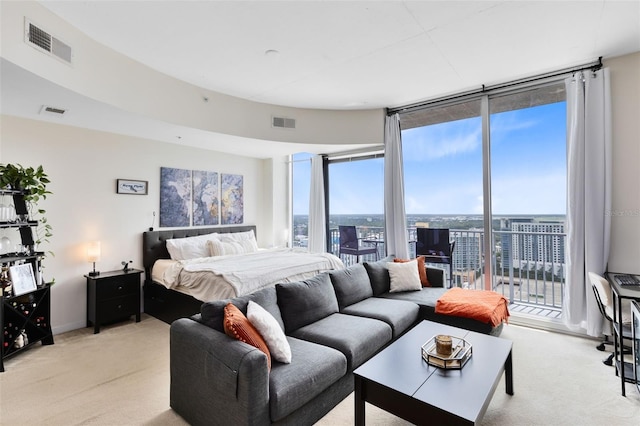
351 285
236 325
379 275
427 296
404 276
313 369
307 301
358 338
213 312
399 314
270 331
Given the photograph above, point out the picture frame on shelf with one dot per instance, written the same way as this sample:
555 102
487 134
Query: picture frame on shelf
134 187
22 279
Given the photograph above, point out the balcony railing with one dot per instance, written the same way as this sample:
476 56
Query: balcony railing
528 267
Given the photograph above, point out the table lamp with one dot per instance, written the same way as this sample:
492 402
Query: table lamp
93 255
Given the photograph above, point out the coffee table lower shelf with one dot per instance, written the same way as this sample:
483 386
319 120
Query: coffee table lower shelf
421 393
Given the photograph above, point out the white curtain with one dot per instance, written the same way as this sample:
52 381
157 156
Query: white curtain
317 222
588 195
394 214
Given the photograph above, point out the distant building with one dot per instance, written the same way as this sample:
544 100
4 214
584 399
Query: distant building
467 250
531 245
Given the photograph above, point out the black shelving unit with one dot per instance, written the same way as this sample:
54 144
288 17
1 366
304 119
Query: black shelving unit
27 315
25 319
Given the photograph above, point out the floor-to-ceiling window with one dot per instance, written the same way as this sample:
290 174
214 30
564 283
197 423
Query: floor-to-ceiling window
528 193
491 167
356 197
300 188
442 158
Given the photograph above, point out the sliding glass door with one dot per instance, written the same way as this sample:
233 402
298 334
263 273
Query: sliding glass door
529 193
443 177
492 168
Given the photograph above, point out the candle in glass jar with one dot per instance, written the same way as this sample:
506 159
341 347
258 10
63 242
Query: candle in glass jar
443 345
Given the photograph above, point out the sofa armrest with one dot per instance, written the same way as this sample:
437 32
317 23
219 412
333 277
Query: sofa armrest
216 377
435 276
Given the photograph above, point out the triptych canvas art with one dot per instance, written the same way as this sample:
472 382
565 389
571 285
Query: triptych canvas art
196 198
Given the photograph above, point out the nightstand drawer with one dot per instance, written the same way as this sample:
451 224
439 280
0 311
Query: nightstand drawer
118 308
118 286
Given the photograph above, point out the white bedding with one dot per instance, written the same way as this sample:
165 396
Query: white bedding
221 277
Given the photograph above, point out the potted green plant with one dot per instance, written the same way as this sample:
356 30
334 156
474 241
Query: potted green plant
32 182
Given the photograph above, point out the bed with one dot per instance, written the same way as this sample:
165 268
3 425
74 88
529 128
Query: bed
181 274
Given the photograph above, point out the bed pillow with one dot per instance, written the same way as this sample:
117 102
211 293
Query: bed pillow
270 331
190 247
246 238
304 302
249 245
422 270
404 276
236 325
224 248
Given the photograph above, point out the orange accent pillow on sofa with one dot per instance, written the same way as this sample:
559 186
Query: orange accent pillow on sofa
422 270
237 325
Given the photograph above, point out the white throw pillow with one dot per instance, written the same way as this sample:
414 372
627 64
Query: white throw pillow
404 276
270 331
190 247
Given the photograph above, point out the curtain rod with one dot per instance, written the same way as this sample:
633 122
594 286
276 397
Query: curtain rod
593 66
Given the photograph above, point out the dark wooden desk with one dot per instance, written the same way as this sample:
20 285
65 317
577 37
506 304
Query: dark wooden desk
399 381
624 370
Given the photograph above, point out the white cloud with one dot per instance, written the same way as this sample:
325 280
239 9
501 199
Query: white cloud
442 140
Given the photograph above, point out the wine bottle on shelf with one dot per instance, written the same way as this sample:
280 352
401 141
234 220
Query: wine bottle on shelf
5 282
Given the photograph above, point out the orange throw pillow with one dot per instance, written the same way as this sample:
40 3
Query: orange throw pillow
236 325
422 270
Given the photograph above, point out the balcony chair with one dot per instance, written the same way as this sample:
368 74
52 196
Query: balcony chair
350 244
602 291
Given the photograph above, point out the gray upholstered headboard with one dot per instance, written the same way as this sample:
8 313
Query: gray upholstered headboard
154 244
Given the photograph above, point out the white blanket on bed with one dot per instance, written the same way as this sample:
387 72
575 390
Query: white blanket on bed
250 272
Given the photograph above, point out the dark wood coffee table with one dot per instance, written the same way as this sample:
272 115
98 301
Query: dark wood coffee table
399 381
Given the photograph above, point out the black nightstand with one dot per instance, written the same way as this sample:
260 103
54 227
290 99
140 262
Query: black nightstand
112 296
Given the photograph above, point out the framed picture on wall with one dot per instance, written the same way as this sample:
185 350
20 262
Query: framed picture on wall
135 187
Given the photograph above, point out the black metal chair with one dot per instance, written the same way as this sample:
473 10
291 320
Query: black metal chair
350 243
602 292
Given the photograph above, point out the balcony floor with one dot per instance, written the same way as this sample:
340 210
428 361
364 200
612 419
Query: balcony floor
537 311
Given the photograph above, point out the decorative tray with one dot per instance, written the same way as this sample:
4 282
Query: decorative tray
461 351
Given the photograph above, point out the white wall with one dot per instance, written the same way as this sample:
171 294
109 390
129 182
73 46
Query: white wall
625 212
83 166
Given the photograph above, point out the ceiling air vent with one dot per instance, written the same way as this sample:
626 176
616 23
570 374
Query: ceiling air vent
284 123
39 38
48 110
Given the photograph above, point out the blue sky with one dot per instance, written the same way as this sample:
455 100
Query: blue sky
443 168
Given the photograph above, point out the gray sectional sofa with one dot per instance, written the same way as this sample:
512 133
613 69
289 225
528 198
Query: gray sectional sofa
333 322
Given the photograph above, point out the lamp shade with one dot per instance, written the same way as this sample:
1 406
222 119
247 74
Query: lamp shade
93 251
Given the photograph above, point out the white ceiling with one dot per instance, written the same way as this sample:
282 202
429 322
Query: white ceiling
356 54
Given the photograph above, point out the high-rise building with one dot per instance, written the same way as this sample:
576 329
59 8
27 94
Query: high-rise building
532 244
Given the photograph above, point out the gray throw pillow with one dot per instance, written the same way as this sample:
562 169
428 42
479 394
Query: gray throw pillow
213 312
304 302
379 275
351 285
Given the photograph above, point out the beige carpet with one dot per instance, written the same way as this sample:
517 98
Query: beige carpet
121 377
